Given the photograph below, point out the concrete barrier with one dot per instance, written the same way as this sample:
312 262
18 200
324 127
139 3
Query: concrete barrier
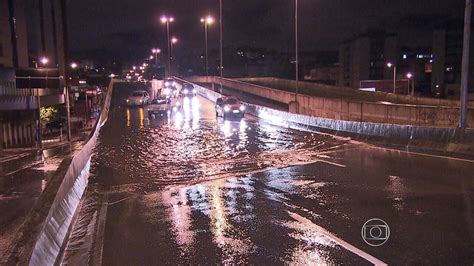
329 91
445 139
349 109
43 234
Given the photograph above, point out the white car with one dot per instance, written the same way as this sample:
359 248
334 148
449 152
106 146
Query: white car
138 98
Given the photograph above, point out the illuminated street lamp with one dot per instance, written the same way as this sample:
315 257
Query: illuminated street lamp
206 21
167 20
44 60
390 65
134 67
409 77
156 51
73 65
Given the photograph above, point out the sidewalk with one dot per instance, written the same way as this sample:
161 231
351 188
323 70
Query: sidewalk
24 174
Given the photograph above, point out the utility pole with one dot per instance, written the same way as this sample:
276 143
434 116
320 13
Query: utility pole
465 65
220 41
169 47
65 65
296 56
205 40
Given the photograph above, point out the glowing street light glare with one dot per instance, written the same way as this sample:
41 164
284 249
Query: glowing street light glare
73 65
151 57
44 60
174 40
134 67
389 64
165 19
409 75
209 20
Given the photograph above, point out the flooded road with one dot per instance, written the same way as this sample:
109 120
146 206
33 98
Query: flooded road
190 188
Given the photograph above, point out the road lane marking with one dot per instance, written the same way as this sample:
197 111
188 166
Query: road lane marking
332 163
426 154
337 240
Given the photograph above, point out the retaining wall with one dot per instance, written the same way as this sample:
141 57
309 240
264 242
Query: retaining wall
328 91
349 109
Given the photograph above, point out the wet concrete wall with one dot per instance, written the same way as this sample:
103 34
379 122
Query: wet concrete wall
445 139
329 91
350 109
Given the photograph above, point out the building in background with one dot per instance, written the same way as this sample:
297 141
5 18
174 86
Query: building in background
365 56
447 57
13 35
26 85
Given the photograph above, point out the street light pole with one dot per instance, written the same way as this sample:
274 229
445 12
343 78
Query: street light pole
173 41
296 55
409 77
394 79
166 20
169 45
207 21
205 40
389 65
220 42
465 65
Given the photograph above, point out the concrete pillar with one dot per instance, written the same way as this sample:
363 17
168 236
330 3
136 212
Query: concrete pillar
9 134
23 134
15 134
1 142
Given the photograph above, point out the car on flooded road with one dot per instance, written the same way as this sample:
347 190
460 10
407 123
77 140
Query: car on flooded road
188 90
170 83
138 98
229 107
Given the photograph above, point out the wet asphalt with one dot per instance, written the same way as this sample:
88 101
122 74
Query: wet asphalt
190 188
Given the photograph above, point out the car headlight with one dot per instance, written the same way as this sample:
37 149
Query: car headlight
185 91
226 108
242 108
194 91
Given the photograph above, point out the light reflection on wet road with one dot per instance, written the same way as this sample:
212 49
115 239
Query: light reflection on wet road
187 188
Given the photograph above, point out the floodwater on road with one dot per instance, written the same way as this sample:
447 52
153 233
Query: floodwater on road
189 188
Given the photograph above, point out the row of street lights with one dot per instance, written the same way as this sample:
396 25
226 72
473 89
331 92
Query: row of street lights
173 40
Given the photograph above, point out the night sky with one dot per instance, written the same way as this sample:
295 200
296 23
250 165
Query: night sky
130 28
